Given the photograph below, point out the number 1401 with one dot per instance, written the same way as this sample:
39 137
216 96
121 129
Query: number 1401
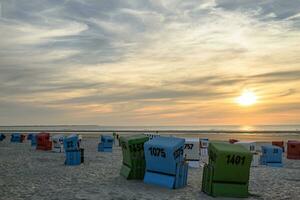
235 160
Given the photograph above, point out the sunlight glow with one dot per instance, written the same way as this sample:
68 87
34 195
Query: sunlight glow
247 98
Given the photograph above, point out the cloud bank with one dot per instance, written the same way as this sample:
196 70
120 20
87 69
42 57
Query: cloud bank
147 62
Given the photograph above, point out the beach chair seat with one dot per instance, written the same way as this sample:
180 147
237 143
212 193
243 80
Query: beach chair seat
74 154
58 143
16 138
33 139
204 142
255 159
2 136
102 148
227 171
192 152
43 141
71 142
251 146
293 150
106 143
73 157
29 136
133 164
271 156
279 144
165 164
169 181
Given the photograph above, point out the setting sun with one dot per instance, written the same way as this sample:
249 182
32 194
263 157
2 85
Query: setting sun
247 98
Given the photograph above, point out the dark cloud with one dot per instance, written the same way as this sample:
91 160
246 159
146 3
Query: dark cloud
217 80
290 75
137 95
24 81
26 113
282 9
282 108
288 93
96 44
221 80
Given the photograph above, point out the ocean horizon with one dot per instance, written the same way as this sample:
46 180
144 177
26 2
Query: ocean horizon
200 128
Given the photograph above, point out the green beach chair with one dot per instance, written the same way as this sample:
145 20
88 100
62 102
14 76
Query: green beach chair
227 172
133 166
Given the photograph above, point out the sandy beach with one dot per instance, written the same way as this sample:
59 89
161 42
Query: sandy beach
29 174
222 70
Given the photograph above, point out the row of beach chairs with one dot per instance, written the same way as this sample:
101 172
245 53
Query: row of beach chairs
58 143
164 161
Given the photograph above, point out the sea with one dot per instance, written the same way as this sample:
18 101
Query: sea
194 129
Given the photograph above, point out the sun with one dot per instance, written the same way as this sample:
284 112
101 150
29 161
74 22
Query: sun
247 98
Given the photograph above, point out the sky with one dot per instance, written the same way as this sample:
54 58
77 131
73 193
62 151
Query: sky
149 62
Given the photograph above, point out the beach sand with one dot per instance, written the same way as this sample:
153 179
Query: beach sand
29 174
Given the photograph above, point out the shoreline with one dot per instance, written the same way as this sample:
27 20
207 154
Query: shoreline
297 132
222 136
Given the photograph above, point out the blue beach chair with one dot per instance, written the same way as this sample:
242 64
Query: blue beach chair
29 136
33 139
16 138
165 164
106 143
271 156
74 154
2 136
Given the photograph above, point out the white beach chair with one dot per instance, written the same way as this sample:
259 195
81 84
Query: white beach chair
255 160
251 146
203 151
191 152
58 143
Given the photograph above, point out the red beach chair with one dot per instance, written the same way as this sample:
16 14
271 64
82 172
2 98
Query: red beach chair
43 141
232 141
293 149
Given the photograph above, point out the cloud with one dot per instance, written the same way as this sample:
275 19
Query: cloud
282 108
280 76
154 94
281 9
296 16
263 78
117 61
